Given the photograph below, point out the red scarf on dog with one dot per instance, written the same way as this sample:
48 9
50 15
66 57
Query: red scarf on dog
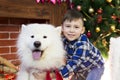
58 75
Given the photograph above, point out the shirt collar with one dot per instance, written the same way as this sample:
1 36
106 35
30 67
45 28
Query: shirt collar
74 41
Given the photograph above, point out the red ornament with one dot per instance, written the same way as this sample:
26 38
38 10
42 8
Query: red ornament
53 1
88 34
47 0
59 1
79 8
10 76
119 20
99 11
1 72
99 19
37 1
42 1
114 17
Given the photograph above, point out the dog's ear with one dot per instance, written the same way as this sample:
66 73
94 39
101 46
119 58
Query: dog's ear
23 27
59 29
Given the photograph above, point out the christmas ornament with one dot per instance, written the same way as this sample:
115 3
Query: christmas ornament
37 1
99 19
88 34
113 28
10 76
91 10
53 1
104 42
59 1
84 19
79 8
47 0
114 17
99 11
97 29
42 1
118 20
109 1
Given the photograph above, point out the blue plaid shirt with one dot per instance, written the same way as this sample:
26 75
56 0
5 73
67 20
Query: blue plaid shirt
82 56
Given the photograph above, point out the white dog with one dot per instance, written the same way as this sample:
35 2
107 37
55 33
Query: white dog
114 58
112 65
40 48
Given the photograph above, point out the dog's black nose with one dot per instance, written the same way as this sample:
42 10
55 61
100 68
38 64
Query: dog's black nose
37 44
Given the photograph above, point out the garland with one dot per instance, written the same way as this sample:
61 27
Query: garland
7 70
54 1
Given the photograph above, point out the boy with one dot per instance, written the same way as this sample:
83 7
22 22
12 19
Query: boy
84 61
83 58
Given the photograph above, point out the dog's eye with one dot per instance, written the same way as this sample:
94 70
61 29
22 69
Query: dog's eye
32 36
44 36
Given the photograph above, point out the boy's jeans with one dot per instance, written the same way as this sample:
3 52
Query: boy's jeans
95 74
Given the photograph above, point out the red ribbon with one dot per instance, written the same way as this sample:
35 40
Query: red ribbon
48 76
58 75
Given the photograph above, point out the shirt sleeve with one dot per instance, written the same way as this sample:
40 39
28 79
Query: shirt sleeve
77 58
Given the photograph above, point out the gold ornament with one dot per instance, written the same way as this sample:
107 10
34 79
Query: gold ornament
113 28
84 19
109 1
97 29
91 10
104 42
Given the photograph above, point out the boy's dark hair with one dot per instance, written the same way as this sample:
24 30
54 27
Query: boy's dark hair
72 14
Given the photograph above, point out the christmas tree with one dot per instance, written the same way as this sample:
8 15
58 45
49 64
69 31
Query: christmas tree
102 20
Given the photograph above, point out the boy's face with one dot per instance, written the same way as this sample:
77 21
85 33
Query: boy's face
72 29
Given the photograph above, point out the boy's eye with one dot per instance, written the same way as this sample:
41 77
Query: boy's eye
67 26
32 36
76 26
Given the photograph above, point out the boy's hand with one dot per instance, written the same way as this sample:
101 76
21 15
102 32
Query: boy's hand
42 75
70 77
38 76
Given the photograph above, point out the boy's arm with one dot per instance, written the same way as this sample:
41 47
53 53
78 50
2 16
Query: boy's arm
52 75
76 60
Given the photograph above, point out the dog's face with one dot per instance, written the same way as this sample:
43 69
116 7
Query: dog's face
37 38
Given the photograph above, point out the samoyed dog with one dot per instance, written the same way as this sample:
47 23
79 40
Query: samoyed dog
112 65
40 49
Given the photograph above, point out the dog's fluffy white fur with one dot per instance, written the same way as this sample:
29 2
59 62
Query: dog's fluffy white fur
114 58
112 65
39 37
